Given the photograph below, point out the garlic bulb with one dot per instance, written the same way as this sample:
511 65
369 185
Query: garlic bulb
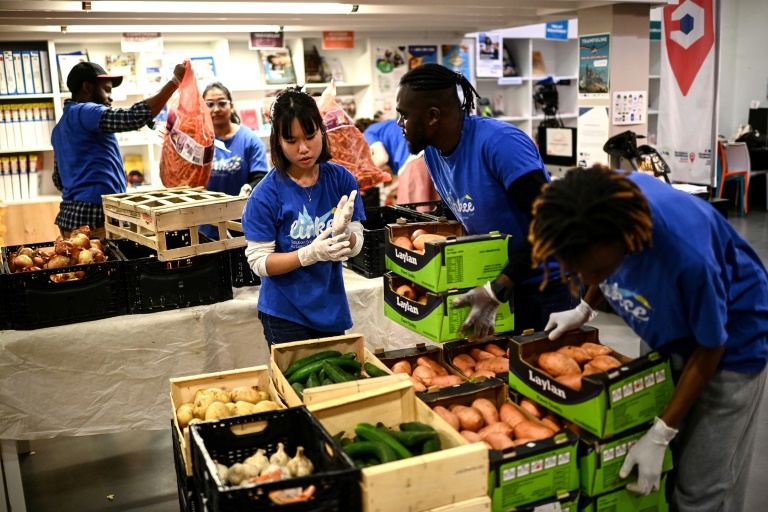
259 459
284 473
300 465
238 473
223 472
279 457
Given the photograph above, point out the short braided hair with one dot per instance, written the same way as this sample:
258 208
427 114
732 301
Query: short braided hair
587 207
434 77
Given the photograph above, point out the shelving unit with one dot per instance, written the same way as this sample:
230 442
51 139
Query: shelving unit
654 81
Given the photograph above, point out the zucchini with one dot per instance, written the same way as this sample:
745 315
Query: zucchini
312 381
304 361
371 433
299 389
369 449
374 371
431 445
335 373
410 439
416 426
326 382
304 373
321 376
350 355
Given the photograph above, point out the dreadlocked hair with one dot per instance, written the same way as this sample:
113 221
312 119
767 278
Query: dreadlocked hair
434 77
587 207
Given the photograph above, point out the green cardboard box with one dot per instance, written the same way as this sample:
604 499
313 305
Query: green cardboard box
540 471
609 402
459 261
438 319
455 348
566 503
623 500
601 459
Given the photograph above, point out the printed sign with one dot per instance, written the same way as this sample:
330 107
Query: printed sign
265 40
338 40
556 30
594 66
141 42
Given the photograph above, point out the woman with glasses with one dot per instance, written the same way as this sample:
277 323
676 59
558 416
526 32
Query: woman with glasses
240 159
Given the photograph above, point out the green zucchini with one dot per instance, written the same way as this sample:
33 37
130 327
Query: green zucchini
312 381
416 426
321 376
304 361
368 449
326 382
299 389
304 373
374 371
431 445
410 439
371 433
335 373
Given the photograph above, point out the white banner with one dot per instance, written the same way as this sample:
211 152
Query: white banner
686 91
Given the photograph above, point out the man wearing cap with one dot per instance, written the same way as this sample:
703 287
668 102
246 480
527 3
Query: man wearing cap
87 158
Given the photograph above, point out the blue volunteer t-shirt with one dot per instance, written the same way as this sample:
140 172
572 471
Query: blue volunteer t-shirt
473 180
279 210
89 160
699 283
391 136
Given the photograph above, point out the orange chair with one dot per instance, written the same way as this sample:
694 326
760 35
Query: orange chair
725 173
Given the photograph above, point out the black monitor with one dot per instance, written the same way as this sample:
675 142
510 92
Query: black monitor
557 146
758 119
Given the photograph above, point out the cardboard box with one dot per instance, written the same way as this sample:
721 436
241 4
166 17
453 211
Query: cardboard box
438 319
627 501
565 503
600 461
183 390
390 357
531 473
457 473
455 348
460 261
283 354
608 403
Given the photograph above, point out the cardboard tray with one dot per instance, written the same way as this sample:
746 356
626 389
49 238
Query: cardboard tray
474 505
183 390
627 501
456 473
608 403
283 354
455 348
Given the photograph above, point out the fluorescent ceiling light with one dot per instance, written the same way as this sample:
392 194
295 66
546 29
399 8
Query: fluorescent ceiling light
222 7
112 29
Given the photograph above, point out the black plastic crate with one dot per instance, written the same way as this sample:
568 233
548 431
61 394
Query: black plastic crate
189 501
34 301
335 476
5 320
152 285
242 275
435 209
370 262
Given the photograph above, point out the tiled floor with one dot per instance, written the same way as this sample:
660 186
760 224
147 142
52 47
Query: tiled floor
78 473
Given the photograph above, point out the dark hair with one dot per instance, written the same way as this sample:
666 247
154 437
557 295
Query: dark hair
588 207
434 77
290 104
233 117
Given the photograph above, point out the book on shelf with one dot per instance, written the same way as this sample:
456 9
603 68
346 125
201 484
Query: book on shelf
66 61
122 64
205 70
312 66
537 64
278 66
250 114
154 76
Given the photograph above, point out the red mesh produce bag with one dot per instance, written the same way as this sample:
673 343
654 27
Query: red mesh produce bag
188 147
348 146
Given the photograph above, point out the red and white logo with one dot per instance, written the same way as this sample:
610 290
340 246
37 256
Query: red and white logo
692 156
689 35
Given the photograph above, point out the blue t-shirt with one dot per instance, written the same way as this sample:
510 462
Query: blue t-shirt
89 160
699 283
391 137
279 210
473 180
230 170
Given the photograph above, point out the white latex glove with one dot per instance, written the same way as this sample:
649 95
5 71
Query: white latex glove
648 454
568 320
245 190
323 248
482 317
343 213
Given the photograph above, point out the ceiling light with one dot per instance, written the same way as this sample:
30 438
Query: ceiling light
112 29
194 7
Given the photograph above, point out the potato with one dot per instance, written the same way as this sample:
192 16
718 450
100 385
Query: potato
469 418
419 241
493 364
487 409
404 242
265 405
243 407
495 350
417 233
219 394
595 349
431 363
534 431
496 428
557 364
263 395
499 441
217 411
605 363
510 415
185 413
572 381
402 367
425 374
406 291
231 408
202 402
448 416
531 407
245 394
578 354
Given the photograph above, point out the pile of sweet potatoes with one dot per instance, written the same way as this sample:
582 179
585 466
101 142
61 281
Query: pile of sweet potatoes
488 361
500 428
416 241
426 373
568 364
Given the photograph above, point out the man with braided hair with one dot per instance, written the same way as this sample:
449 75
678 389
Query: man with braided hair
488 172
685 281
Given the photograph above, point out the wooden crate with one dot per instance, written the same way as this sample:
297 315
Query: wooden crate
154 213
283 354
473 505
457 473
183 390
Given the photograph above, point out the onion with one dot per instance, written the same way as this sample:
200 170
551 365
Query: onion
85 257
62 246
58 261
95 242
39 262
98 256
79 274
82 229
26 251
23 261
81 240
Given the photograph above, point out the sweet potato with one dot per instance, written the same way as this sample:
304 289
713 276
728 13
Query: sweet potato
431 363
484 373
557 364
418 385
417 233
578 354
406 291
519 442
464 362
495 350
494 364
531 407
472 437
510 415
496 428
404 242
487 409
448 416
478 354
530 430
589 370
402 367
499 441
595 349
572 381
445 381
552 423
469 418
419 241
422 300
425 374
604 363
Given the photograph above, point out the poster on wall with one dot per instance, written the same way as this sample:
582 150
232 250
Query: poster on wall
488 55
629 107
391 65
456 58
422 54
686 97
594 66
593 129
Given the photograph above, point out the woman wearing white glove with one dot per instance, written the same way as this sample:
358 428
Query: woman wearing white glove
685 281
301 222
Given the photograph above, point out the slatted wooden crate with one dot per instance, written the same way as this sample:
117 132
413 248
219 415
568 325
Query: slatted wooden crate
152 214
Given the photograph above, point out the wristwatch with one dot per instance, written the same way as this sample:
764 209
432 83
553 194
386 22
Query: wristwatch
502 293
